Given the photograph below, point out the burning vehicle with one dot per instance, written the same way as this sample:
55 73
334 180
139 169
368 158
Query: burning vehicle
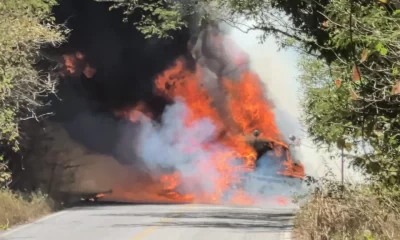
224 90
188 116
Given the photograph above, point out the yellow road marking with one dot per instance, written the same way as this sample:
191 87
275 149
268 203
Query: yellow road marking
149 230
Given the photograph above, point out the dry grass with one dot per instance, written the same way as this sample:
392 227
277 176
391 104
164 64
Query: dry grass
17 208
355 213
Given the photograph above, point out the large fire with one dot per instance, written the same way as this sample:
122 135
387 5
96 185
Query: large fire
247 110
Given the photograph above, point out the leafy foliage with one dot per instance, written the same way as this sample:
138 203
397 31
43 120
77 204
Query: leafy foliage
25 25
364 111
158 18
5 176
327 108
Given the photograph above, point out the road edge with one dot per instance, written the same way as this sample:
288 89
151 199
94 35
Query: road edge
287 235
24 225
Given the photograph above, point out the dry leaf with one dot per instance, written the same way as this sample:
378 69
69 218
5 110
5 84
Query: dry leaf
338 82
325 24
353 94
356 74
396 88
364 55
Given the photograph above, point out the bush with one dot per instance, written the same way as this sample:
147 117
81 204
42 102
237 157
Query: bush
25 26
17 208
354 212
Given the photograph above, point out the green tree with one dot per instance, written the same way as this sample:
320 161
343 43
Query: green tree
25 26
327 109
366 107
157 17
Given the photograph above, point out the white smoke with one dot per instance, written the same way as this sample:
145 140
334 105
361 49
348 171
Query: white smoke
278 70
173 146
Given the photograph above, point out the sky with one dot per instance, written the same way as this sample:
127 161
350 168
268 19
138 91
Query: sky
278 70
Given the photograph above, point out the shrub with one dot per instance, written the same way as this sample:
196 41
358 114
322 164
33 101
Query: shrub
353 212
17 207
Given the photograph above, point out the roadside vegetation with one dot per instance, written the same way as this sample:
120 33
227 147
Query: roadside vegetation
332 211
351 102
350 95
17 208
25 27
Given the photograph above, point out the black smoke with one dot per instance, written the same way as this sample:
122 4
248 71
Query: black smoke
126 65
126 62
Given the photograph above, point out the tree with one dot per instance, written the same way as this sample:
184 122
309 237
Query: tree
366 110
25 26
327 108
157 17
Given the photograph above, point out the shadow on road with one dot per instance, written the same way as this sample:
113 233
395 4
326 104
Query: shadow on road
93 205
240 219
234 220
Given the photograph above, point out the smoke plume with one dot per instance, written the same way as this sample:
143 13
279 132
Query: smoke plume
187 113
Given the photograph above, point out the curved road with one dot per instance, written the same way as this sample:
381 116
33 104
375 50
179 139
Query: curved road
158 221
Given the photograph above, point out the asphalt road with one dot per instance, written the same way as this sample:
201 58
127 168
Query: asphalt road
158 221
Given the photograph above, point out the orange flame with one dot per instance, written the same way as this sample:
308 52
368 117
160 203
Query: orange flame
249 110
70 63
179 82
136 113
100 195
75 65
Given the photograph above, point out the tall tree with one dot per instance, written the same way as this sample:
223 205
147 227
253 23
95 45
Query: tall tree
364 83
25 26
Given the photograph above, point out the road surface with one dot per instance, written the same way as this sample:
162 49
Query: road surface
158 221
